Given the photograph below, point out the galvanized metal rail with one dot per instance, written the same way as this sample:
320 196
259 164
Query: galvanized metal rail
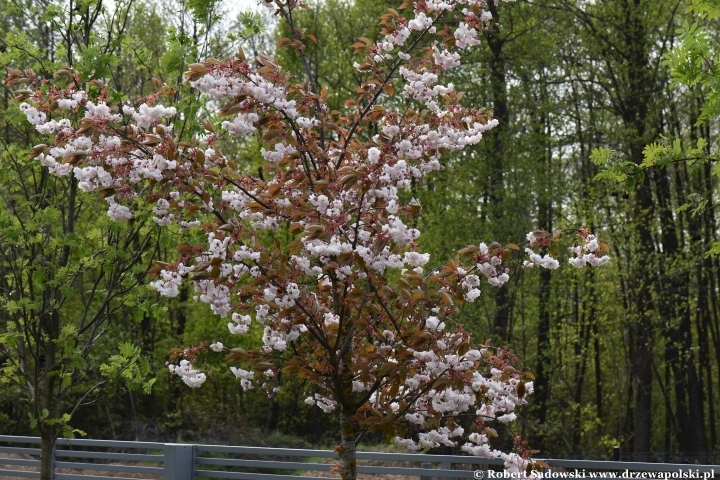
82 459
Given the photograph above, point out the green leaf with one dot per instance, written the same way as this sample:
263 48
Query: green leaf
601 156
714 250
147 387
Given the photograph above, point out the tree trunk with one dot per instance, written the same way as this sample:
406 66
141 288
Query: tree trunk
673 287
636 101
348 462
541 129
543 370
544 362
642 345
711 299
47 455
495 140
47 401
598 370
697 442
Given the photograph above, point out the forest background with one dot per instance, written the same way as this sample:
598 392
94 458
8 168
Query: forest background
628 355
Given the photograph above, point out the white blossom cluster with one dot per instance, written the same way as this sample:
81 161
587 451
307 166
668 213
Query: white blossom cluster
489 265
325 404
245 377
588 254
500 392
545 261
168 285
262 94
192 378
103 152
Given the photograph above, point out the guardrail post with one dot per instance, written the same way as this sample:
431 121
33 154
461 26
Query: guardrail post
447 465
427 465
616 453
179 462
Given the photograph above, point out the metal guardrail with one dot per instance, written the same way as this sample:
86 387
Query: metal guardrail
70 455
77 459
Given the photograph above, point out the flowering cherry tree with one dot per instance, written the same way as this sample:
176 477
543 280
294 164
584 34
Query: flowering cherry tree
349 304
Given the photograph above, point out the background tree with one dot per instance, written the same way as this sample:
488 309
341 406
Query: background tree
68 274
